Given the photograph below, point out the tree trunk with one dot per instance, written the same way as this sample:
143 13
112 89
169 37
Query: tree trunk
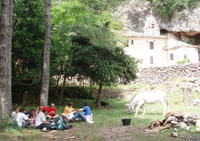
46 56
58 80
5 58
91 89
98 101
63 88
57 84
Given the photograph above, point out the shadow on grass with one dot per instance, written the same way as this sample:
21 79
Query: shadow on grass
22 138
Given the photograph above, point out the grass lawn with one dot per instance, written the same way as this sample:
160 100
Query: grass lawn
108 125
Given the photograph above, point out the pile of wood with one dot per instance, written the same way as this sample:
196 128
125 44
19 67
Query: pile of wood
176 120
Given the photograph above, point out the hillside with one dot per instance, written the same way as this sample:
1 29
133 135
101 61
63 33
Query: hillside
183 22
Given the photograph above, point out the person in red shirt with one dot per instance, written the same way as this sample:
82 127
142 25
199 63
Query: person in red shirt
45 108
52 111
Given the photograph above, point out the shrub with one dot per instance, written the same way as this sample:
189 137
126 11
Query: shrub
6 124
166 8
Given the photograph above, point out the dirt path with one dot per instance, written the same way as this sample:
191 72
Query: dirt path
66 135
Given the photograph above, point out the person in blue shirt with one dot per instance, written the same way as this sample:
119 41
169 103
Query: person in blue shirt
85 114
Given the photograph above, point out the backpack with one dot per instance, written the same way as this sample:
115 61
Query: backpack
60 124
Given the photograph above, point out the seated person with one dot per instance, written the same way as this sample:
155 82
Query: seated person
31 113
85 114
69 111
22 119
14 113
52 112
45 108
40 120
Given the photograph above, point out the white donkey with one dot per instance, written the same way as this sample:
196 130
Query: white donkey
147 97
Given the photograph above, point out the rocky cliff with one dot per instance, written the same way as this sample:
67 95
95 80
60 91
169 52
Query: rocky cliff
183 24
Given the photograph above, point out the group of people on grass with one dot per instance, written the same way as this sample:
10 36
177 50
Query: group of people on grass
47 118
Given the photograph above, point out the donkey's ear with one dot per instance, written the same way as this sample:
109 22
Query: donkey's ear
127 104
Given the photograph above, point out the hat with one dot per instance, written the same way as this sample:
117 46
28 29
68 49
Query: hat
86 103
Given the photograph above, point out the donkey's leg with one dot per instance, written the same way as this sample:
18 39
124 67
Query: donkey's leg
137 108
144 109
164 105
130 109
167 105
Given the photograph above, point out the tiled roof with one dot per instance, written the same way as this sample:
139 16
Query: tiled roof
173 44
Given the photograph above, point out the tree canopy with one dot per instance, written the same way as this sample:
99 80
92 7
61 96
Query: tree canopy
90 48
28 33
83 42
103 65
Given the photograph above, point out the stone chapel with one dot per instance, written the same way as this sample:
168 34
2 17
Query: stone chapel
155 50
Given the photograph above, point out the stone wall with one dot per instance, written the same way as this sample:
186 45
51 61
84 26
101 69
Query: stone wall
157 75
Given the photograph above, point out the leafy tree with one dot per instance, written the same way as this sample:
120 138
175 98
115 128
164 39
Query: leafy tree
5 58
73 17
103 65
102 5
60 62
28 37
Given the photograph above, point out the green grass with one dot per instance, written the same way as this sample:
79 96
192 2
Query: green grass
110 119
105 118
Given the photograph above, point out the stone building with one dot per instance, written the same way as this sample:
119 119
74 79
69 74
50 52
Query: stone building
155 50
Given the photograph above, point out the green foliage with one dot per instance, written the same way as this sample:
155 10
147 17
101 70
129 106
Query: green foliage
102 5
28 34
105 120
60 62
166 8
74 17
194 41
101 64
6 124
86 41
186 60
68 18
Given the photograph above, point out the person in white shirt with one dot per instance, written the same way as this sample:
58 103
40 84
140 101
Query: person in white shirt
40 120
14 113
22 119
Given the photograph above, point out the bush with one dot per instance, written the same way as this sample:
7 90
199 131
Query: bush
26 94
6 124
166 8
186 60
70 92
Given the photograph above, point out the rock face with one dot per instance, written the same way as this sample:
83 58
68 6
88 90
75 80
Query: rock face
187 20
133 13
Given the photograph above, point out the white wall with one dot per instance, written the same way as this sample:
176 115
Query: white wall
179 53
141 50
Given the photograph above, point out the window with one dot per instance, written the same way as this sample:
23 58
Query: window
132 42
151 45
171 56
151 59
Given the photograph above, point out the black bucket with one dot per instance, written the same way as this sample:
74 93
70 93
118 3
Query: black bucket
126 121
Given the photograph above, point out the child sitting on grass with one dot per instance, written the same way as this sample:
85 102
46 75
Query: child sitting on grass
41 122
22 119
69 111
